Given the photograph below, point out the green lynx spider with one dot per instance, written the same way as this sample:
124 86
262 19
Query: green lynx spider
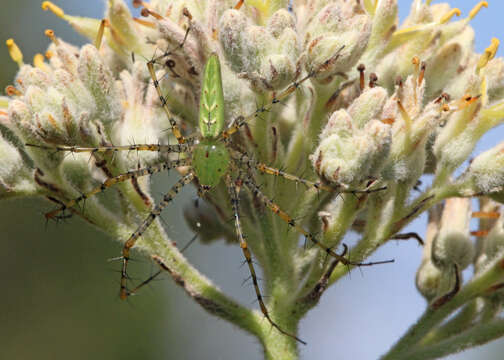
211 157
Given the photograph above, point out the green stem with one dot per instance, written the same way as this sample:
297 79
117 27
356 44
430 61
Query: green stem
278 346
477 335
197 285
433 316
461 321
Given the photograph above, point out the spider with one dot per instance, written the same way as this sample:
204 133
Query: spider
210 157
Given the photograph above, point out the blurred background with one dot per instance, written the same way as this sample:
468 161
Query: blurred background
59 295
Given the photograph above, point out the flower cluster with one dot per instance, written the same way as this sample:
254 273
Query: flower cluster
338 89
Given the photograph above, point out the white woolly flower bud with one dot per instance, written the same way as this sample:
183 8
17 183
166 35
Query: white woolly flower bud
16 166
280 22
428 280
351 155
486 172
334 27
368 106
452 244
264 55
494 241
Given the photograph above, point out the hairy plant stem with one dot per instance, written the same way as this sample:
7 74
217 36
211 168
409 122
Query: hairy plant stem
408 344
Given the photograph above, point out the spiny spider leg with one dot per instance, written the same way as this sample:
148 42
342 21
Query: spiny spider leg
245 159
234 190
145 282
175 128
177 148
132 174
167 198
292 223
171 118
172 51
242 120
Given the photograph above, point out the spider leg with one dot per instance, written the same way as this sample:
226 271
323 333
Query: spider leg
250 184
249 162
277 98
177 148
167 198
134 174
234 190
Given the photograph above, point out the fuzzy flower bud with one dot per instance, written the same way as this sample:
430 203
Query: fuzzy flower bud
349 154
363 105
494 241
452 244
486 172
428 280
337 25
264 55
17 167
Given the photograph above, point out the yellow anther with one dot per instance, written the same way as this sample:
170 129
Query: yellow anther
12 91
38 62
239 5
467 100
449 15
138 3
48 54
47 5
489 53
477 9
145 12
14 52
50 34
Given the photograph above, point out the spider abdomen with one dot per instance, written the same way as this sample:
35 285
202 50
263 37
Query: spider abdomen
210 162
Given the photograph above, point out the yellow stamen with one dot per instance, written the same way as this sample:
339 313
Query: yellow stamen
404 115
388 121
138 3
447 17
489 53
239 5
480 233
416 61
421 76
38 62
12 91
146 12
48 54
145 23
467 100
53 121
486 214
50 34
47 5
14 52
99 36
484 91
477 9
